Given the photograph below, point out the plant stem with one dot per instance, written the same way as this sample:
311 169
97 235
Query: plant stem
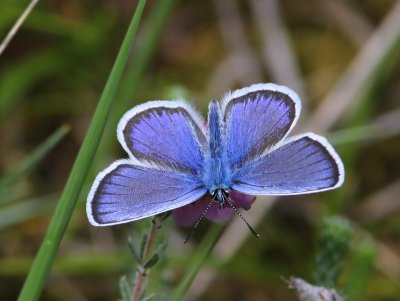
141 271
152 237
138 287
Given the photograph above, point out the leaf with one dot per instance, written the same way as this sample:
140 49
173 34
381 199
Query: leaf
163 216
125 289
152 261
134 251
145 238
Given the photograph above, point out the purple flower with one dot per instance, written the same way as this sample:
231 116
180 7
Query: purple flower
188 215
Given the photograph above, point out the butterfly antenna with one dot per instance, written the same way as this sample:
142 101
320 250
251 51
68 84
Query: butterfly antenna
198 222
229 200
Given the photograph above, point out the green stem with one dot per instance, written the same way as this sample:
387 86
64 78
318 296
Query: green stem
41 266
198 260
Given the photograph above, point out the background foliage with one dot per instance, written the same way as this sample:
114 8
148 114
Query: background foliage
341 56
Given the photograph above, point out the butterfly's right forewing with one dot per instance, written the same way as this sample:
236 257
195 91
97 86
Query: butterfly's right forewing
125 192
165 133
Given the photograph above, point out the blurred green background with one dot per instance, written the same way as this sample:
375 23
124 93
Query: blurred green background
341 56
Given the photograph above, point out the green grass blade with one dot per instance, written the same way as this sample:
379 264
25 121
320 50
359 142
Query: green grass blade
32 159
152 29
44 259
197 262
24 210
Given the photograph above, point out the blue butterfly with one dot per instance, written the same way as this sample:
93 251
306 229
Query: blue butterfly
174 160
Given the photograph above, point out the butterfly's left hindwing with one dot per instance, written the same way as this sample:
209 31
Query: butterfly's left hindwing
125 192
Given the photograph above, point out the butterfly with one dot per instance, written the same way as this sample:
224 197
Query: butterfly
175 160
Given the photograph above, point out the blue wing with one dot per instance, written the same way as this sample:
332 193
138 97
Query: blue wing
125 192
304 164
256 118
167 133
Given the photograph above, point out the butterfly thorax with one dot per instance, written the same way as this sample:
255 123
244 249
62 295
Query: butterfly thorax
216 173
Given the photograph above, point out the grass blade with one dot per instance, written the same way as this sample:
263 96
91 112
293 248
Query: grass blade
17 25
151 31
22 211
44 259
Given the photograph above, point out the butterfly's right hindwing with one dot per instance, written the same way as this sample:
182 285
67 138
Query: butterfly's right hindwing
125 192
304 164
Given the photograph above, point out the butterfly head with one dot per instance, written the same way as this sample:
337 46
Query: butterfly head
220 195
